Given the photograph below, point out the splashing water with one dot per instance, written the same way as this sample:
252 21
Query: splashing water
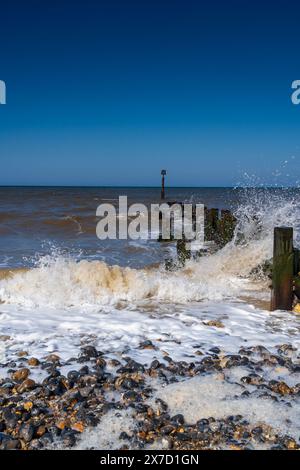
59 281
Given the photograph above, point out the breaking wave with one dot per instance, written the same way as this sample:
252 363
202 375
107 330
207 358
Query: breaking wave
232 272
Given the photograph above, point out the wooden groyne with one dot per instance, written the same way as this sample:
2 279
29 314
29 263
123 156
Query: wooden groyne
219 224
219 228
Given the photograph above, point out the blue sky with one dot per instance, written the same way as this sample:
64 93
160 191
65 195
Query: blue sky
110 92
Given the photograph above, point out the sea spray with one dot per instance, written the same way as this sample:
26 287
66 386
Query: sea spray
60 281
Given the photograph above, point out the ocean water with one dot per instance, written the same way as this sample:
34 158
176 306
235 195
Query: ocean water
61 287
35 222
51 258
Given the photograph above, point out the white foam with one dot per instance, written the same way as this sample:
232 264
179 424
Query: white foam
212 396
106 434
177 330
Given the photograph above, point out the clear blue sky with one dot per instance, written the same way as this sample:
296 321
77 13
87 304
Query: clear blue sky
109 92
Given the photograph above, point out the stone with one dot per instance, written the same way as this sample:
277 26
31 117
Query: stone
10 419
215 323
11 444
22 353
167 429
33 361
79 427
131 396
155 364
280 387
69 439
53 358
100 362
20 375
86 391
290 443
124 436
41 430
26 432
46 439
73 375
296 309
4 437
25 386
89 351
147 345
178 419
4 337
28 405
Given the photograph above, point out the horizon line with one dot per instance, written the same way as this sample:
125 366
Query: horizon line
142 187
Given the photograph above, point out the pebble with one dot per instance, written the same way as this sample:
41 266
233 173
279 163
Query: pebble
280 387
89 351
215 323
26 432
22 353
20 374
147 345
69 439
11 444
53 358
155 364
178 419
28 384
73 375
4 337
33 361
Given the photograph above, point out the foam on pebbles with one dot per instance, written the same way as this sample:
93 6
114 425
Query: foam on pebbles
95 401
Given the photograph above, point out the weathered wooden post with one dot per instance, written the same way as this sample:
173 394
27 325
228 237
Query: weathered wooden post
297 273
283 269
183 253
211 223
163 173
226 226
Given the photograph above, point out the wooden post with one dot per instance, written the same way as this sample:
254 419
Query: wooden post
211 223
163 173
182 252
226 226
296 261
297 273
283 269
214 216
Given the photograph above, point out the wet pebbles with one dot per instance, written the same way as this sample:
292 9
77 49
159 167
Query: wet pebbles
56 410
